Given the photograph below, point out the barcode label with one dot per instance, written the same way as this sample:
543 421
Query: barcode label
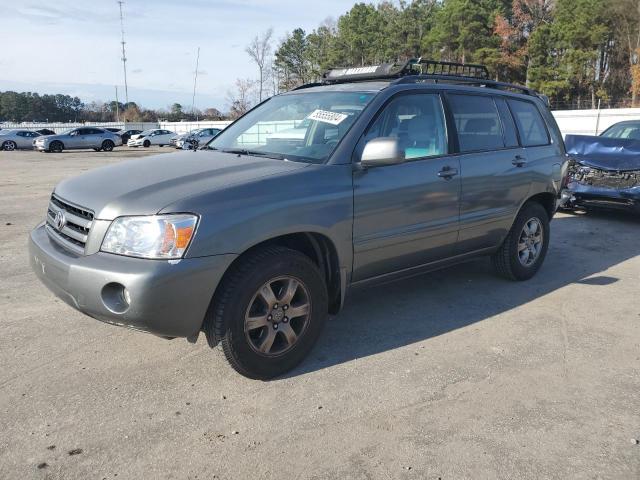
334 118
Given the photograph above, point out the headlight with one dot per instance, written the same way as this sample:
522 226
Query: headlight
153 236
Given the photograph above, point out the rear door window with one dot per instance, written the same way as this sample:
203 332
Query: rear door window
531 126
477 122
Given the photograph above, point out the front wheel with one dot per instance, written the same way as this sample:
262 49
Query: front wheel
107 145
523 251
146 144
56 147
268 312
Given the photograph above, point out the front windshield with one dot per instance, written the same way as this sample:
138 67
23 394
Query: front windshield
625 130
301 127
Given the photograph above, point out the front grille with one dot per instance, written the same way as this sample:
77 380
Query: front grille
75 230
605 179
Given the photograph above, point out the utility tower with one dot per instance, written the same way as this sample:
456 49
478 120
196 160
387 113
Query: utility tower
195 79
124 57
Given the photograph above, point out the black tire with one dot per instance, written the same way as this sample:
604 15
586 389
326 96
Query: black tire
9 146
506 260
108 145
56 146
146 144
225 320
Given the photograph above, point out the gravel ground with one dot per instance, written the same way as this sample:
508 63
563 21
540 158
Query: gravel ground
452 375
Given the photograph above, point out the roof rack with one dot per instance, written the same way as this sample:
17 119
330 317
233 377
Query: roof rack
419 70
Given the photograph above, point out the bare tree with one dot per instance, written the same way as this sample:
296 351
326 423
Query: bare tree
260 50
242 99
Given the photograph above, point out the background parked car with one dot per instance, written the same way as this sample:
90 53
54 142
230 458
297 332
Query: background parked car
155 136
202 135
46 131
78 138
127 134
15 139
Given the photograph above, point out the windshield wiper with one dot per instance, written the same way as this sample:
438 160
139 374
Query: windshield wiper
255 153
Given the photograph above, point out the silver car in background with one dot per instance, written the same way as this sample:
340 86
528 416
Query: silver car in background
79 138
154 136
201 135
15 139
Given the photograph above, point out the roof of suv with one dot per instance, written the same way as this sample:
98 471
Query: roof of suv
416 71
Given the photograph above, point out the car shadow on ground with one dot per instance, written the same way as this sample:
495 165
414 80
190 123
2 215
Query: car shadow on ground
394 315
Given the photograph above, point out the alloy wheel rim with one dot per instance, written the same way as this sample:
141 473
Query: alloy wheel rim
530 242
10 146
277 316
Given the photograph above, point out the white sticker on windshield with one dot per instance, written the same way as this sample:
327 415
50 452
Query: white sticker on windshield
334 118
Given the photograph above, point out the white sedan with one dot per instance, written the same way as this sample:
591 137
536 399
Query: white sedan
147 138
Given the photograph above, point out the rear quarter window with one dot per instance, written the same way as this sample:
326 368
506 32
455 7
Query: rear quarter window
531 126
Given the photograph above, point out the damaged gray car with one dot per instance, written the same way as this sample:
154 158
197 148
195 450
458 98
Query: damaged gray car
604 172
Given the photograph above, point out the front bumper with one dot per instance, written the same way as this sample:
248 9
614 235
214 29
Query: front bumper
40 146
138 142
585 196
166 298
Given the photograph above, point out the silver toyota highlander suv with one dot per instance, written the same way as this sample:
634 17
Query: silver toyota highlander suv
401 170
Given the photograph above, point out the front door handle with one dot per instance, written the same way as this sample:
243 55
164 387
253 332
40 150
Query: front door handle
519 161
447 173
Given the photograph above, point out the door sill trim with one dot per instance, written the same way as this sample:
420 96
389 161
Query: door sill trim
422 269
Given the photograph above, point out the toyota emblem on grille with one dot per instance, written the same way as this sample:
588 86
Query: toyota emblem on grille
60 220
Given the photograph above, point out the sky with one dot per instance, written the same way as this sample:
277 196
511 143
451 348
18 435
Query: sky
73 46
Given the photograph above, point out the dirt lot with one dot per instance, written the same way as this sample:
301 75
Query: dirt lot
453 375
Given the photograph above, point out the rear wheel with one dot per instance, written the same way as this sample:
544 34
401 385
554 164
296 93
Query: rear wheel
107 145
525 248
146 144
268 312
56 146
9 145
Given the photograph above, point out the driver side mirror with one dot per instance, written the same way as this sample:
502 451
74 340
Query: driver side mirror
382 151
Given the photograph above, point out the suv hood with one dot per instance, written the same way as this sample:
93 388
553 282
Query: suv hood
145 186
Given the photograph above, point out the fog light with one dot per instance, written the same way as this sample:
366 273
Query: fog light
116 298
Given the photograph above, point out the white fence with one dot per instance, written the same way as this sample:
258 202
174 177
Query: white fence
592 122
61 127
184 127
580 122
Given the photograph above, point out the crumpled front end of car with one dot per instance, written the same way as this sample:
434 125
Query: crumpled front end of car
603 172
592 187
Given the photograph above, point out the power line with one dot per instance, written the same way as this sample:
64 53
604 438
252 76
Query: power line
124 56
195 79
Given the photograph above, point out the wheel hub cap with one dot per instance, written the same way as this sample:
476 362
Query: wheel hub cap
277 316
530 242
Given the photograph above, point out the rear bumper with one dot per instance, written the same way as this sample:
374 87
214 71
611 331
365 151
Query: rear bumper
166 299
579 195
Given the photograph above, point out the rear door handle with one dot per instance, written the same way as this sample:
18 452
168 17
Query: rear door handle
447 173
519 161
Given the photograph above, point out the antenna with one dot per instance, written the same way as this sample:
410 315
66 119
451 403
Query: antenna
124 57
195 79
